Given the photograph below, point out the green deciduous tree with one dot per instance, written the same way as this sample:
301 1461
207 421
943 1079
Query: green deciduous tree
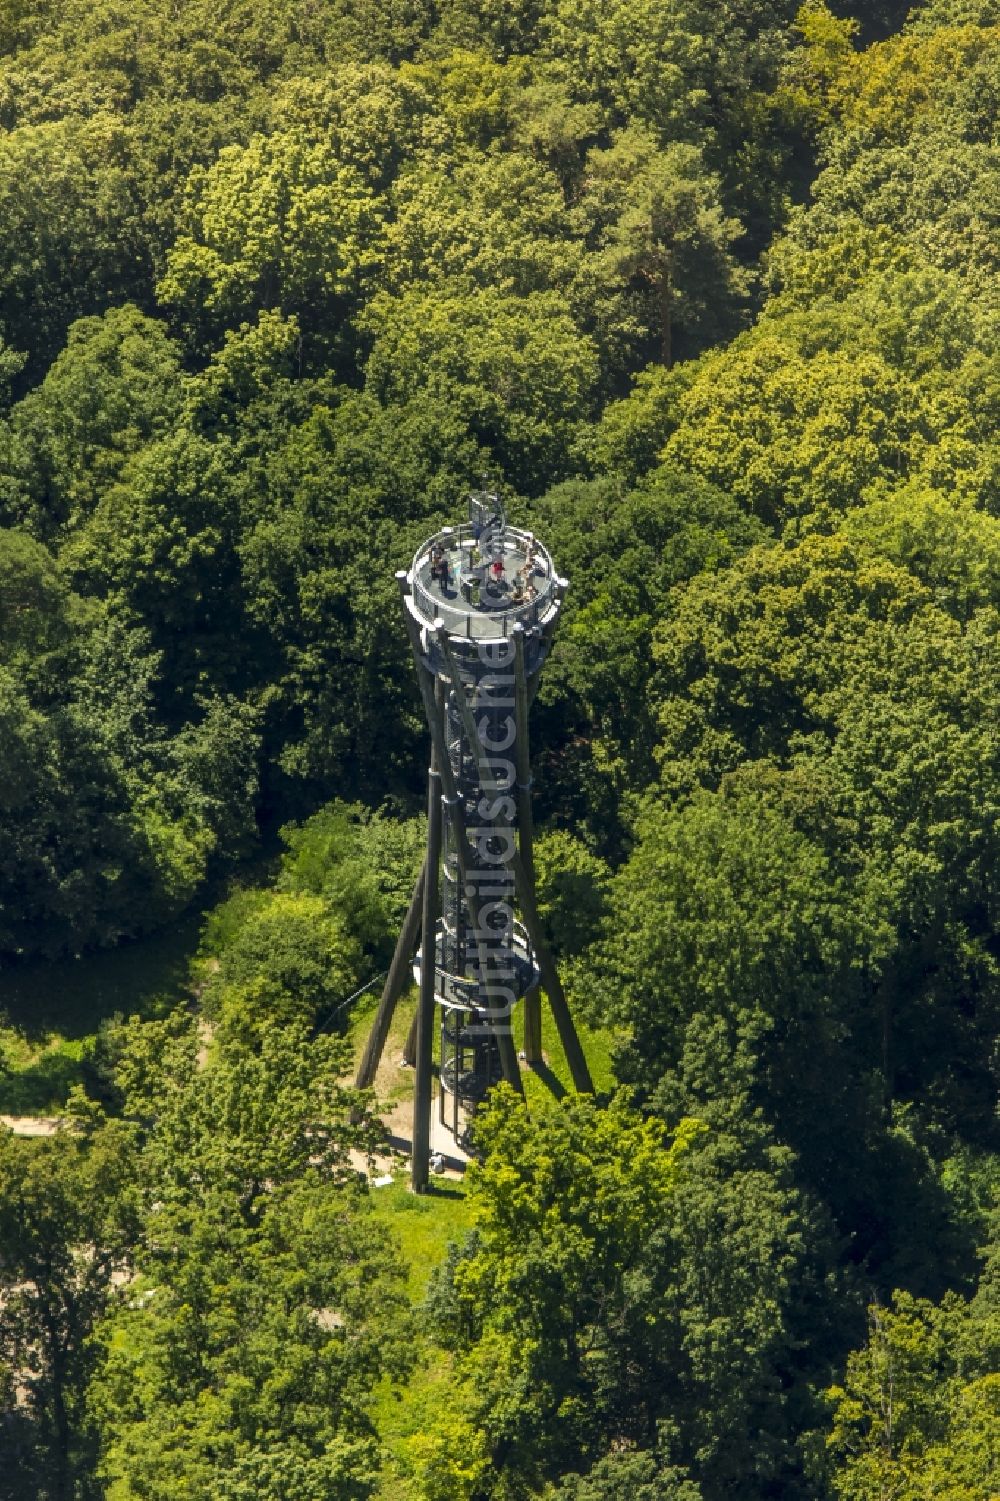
818 873
661 233
572 890
266 1302
919 1402
291 958
68 1223
556 1285
363 864
629 1476
278 223
636 1309
790 435
494 220
114 388
110 821
623 552
516 369
74 239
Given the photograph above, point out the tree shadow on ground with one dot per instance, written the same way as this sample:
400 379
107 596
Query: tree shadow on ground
42 1085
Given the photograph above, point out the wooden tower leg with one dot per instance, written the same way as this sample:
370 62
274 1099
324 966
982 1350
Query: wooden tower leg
395 984
428 946
526 834
508 1057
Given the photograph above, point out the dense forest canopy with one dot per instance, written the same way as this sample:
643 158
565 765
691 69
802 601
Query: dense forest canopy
710 288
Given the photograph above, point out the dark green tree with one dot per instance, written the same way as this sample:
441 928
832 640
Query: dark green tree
68 1228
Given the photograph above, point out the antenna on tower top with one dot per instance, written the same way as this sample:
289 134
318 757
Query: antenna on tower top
488 521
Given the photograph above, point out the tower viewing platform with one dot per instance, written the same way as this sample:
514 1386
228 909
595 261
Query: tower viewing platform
482 584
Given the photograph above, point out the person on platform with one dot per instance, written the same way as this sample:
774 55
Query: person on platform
439 566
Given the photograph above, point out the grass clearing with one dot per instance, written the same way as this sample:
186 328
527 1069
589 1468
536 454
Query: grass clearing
393 1081
424 1225
401 1415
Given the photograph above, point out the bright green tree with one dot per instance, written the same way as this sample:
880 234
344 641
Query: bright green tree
278 223
556 1284
266 1302
74 241
916 1415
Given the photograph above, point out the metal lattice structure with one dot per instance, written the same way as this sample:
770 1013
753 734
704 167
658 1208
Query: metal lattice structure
481 603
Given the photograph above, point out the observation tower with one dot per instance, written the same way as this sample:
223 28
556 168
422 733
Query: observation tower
481 602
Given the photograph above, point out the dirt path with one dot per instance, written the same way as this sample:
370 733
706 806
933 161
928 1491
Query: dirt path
33 1125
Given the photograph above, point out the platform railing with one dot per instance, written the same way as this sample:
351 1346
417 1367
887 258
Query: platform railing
459 620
